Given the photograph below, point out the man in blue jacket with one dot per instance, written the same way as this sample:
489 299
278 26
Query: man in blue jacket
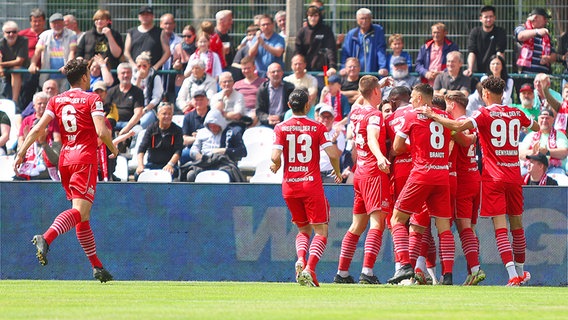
366 43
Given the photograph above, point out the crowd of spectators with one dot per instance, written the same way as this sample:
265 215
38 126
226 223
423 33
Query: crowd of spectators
244 79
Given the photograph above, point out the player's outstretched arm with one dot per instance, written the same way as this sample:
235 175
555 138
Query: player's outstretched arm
105 135
334 160
454 125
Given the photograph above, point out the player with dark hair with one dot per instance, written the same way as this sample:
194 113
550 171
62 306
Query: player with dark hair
428 183
501 182
299 140
371 202
81 118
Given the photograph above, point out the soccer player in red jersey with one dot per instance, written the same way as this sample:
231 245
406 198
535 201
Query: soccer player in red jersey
298 140
371 184
81 119
428 184
498 127
467 200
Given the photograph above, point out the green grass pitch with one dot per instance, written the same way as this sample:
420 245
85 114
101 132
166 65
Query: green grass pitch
32 299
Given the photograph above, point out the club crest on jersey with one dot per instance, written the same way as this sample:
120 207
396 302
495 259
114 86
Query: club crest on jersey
99 106
374 119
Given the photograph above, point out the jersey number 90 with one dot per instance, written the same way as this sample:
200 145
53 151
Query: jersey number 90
501 133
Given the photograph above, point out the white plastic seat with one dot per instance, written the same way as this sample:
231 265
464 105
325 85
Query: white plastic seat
562 179
7 168
9 107
258 141
213 176
121 170
178 119
263 174
155 176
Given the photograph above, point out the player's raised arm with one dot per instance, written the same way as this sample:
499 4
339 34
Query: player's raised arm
454 125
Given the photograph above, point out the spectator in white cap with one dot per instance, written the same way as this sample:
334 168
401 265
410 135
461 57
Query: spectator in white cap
326 115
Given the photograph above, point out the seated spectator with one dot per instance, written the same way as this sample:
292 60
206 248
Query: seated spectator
326 116
129 99
148 80
300 78
199 80
99 71
526 95
267 47
5 126
272 97
50 87
101 40
13 55
228 101
396 43
182 52
350 83
452 78
249 86
547 141
332 96
163 141
536 173
210 58
431 59
400 76
497 68
217 147
40 162
192 122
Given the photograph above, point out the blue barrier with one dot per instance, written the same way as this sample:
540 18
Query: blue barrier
237 232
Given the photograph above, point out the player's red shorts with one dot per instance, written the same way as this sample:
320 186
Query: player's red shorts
313 209
499 198
422 218
436 198
79 181
397 183
467 201
371 194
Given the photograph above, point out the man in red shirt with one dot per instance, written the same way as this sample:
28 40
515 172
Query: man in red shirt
371 183
499 127
428 183
81 120
298 140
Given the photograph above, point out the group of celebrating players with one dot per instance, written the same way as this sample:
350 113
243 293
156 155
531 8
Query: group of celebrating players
408 167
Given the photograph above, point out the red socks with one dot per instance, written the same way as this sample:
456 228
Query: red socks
373 244
519 245
64 222
503 245
302 242
348 247
87 241
447 250
400 239
316 250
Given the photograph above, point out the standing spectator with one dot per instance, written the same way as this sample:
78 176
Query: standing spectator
128 99
71 23
242 52
207 55
147 37
249 86
452 78
267 47
548 141
485 41
396 43
148 80
502 193
101 39
78 165
272 97
168 25
14 55
54 49
316 42
197 81
427 184
217 146
350 82
302 189
300 78
224 19
192 122
30 81
181 54
536 52
215 44
536 175
431 60
371 184
163 141
280 19
229 101
366 43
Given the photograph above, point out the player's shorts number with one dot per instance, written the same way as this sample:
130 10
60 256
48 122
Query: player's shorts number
68 118
437 135
304 152
501 133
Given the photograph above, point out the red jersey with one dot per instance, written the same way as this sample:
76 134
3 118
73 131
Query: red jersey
429 148
300 139
402 163
499 127
466 161
74 110
362 119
